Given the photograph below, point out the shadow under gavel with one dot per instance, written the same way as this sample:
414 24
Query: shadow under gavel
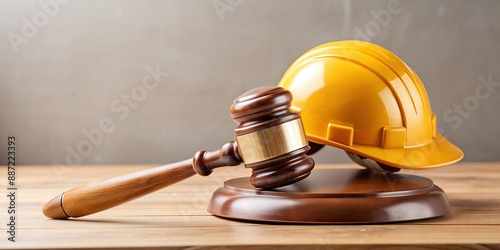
270 140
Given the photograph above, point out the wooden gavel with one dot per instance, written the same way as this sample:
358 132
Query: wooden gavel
270 140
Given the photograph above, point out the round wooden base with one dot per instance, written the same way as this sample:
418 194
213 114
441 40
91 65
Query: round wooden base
333 196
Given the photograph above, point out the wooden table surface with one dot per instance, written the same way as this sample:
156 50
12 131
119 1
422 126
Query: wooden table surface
176 217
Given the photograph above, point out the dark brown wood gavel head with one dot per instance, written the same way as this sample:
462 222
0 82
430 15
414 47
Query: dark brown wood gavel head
271 139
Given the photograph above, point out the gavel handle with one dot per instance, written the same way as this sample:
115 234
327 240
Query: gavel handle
104 194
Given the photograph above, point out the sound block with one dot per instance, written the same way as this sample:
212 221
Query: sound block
333 196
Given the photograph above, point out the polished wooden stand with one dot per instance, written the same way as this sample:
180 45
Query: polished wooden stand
333 196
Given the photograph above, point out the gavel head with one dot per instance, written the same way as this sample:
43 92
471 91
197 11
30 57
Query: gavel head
271 139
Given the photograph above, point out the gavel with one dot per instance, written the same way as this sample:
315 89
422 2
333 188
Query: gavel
270 140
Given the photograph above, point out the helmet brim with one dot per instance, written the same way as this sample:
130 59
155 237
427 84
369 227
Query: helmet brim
440 152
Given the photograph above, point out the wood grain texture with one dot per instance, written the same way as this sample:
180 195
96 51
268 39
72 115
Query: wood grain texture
176 217
103 194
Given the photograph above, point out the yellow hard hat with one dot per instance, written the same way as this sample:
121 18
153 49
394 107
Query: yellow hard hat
362 98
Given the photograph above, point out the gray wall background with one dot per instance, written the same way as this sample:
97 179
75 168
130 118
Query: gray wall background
69 73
